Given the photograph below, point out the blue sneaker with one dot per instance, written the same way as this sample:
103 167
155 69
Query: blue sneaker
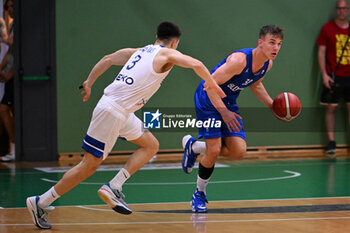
189 157
198 202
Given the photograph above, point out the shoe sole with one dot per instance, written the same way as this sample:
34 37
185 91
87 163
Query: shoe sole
187 169
31 208
7 160
104 194
198 211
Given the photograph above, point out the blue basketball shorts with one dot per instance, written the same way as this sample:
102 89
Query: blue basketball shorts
211 114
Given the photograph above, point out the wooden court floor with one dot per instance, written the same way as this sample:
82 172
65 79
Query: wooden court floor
275 197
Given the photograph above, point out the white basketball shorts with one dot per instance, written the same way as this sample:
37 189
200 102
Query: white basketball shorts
109 121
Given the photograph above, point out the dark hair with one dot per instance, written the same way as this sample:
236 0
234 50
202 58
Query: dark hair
271 29
168 30
5 4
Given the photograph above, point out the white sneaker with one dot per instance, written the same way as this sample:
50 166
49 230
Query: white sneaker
39 214
8 158
114 198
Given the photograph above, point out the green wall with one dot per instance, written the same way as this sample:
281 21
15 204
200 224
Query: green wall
89 29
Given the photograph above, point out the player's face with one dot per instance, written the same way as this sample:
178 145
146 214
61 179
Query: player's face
270 45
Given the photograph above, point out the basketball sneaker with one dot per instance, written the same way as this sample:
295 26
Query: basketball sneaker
114 198
189 157
330 148
198 202
8 158
39 214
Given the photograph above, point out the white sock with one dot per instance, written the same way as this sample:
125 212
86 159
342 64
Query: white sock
202 184
13 148
197 146
118 181
47 198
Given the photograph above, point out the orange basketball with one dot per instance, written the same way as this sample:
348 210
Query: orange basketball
286 106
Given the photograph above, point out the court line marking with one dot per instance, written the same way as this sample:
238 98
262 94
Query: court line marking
92 208
183 222
182 202
293 175
115 167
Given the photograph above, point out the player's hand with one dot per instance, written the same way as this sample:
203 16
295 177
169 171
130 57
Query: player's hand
282 118
86 92
230 119
327 80
216 88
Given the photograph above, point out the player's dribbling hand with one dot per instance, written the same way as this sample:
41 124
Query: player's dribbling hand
216 88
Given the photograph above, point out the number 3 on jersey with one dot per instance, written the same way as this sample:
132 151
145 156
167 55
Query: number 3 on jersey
137 59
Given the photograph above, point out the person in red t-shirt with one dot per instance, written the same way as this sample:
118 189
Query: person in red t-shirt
336 77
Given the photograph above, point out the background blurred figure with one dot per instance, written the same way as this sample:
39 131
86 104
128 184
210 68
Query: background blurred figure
334 62
6 75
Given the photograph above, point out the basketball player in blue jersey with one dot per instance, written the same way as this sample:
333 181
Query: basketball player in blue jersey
242 68
143 71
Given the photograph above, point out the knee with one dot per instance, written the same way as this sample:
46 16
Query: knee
213 151
152 146
331 109
93 166
237 152
90 163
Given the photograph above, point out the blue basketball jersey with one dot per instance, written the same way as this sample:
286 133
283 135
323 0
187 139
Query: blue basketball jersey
234 85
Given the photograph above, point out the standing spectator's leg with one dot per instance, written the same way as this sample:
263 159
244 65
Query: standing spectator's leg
330 125
8 120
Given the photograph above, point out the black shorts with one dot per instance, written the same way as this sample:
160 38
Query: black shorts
340 89
8 95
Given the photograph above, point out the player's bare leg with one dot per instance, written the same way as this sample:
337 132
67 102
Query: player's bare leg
206 168
148 147
213 150
39 206
234 147
111 193
77 174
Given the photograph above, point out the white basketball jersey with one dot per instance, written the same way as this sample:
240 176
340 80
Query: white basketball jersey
137 81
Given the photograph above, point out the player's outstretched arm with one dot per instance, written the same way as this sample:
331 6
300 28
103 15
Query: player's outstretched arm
117 58
177 58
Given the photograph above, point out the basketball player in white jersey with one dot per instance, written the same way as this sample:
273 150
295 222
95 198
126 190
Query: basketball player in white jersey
144 70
